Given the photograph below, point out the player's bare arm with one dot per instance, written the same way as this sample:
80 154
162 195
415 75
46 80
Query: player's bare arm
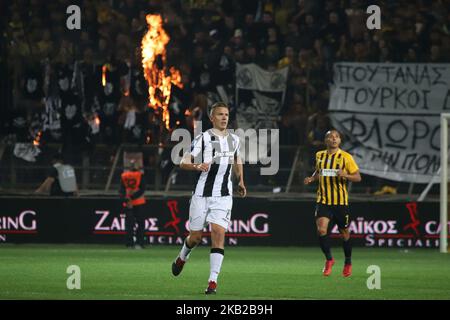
238 169
313 178
354 177
187 163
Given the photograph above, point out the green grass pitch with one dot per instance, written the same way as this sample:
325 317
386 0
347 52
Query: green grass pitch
113 272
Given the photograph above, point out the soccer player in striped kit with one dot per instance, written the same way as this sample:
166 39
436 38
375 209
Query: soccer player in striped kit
213 154
334 167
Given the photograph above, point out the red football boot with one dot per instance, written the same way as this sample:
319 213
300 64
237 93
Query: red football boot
211 288
347 272
328 266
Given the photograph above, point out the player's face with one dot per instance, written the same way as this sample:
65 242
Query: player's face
219 118
333 140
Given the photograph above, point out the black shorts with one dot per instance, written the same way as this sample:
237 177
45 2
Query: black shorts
337 214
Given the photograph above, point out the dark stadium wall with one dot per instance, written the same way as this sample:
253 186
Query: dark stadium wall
255 222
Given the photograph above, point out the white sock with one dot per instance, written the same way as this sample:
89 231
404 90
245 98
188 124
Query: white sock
185 251
215 258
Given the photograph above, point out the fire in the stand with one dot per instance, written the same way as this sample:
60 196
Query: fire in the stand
104 68
160 78
37 139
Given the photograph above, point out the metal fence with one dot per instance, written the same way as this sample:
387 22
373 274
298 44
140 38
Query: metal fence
100 171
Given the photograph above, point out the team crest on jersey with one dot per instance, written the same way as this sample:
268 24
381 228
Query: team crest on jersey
223 154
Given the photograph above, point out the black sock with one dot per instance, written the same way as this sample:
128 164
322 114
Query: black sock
325 246
218 250
347 246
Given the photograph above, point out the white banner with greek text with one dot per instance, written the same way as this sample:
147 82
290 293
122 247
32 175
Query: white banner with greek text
391 114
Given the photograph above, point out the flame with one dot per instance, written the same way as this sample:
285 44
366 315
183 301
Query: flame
159 78
37 139
104 68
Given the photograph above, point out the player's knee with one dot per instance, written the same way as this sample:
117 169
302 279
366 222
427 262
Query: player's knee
217 232
345 235
322 231
195 239
217 236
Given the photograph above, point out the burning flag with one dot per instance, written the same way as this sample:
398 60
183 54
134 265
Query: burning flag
159 77
104 68
37 139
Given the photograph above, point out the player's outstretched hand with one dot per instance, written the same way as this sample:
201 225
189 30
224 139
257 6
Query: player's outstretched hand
242 190
204 167
307 180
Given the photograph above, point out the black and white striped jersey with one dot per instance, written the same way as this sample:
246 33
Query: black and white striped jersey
221 152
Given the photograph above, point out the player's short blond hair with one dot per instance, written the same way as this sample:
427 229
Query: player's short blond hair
216 105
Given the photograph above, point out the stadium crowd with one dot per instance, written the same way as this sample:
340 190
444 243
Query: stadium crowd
55 74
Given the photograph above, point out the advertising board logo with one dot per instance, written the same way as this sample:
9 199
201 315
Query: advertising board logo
413 214
174 229
23 223
108 223
405 230
173 207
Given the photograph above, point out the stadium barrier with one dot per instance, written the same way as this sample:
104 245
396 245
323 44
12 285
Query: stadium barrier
255 221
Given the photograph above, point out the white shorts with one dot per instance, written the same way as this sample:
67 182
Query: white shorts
204 210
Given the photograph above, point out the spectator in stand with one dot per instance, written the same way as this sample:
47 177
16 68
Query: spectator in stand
331 34
61 179
292 38
252 54
288 59
308 32
435 55
250 29
294 122
319 124
411 56
272 46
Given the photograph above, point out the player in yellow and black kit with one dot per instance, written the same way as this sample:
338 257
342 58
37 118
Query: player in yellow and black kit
334 167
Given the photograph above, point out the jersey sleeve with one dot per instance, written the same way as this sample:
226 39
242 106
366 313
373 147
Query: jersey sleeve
351 165
196 145
237 152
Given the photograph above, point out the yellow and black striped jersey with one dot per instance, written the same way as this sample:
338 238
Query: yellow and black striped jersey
332 189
